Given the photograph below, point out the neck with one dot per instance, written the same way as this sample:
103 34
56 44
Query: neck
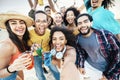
20 37
93 8
59 25
71 25
38 33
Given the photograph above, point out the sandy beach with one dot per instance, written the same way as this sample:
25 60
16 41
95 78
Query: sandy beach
30 75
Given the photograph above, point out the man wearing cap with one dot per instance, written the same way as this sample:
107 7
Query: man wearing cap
12 61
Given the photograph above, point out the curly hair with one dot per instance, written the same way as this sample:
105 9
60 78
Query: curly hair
75 11
105 3
70 37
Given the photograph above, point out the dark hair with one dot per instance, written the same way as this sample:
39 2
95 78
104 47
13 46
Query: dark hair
51 22
21 45
39 11
85 14
70 37
47 6
105 3
75 11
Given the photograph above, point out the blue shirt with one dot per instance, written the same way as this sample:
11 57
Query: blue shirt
92 47
103 19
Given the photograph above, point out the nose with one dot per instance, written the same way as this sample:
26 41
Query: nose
19 25
57 41
83 24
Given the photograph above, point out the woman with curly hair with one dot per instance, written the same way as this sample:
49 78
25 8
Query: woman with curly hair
64 53
69 19
103 18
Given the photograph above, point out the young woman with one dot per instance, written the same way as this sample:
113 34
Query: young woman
64 55
58 20
69 19
12 61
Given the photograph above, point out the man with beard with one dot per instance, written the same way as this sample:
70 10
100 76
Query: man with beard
99 58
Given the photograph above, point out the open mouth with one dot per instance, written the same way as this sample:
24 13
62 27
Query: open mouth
94 1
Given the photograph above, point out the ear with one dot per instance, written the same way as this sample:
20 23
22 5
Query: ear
65 41
91 23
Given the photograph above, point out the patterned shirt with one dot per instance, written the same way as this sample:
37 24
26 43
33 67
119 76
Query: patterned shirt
110 49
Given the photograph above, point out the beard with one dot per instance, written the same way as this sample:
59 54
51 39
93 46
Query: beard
85 33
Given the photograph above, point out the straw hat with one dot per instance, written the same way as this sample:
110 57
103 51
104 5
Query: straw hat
4 17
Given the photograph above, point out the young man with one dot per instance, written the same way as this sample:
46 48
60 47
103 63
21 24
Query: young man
40 36
100 57
47 10
103 18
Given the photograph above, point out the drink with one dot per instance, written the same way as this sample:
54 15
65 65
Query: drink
31 65
39 52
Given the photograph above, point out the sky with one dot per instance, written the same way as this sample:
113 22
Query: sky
22 6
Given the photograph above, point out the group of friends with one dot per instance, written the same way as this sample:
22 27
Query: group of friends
77 46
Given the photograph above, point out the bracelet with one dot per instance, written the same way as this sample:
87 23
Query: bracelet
10 71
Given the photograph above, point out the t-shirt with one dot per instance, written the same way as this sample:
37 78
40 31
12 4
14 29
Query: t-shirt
95 57
42 40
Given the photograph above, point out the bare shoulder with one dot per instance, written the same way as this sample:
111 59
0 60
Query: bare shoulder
6 47
6 52
70 49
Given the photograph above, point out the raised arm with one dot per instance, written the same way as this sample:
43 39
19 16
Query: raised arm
52 5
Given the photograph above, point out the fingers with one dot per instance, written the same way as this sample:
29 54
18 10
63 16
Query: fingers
35 46
22 62
82 71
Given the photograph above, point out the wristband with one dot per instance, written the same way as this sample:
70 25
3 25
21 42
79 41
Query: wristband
10 71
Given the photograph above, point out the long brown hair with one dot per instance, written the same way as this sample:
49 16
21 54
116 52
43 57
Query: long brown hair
21 45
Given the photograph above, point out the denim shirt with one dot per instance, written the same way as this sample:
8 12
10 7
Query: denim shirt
110 49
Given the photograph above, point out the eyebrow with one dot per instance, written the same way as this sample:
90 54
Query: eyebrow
12 20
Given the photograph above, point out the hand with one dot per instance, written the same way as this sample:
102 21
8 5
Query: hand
82 71
21 63
103 78
35 46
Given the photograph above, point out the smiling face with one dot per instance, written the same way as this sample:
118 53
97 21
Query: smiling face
58 19
84 25
70 17
96 3
18 27
41 23
58 41
48 11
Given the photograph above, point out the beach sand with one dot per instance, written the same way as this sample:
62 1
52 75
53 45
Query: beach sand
30 75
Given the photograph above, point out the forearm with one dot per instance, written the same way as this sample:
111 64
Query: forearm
4 73
35 4
81 7
20 75
30 3
51 5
